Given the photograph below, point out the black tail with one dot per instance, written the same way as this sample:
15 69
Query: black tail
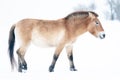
11 43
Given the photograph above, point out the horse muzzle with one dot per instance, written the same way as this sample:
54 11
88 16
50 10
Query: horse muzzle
101 35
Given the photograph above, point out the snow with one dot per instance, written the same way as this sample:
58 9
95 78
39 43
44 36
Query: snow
94 59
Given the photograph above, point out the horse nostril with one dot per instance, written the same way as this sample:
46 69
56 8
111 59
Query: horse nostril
103 35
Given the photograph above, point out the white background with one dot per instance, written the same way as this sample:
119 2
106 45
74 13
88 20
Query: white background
94 59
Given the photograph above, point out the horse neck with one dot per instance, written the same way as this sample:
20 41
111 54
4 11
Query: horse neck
77 28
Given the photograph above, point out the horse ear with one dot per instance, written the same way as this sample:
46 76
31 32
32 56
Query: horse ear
91 15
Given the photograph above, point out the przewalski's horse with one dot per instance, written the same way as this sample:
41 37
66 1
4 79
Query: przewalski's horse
59 33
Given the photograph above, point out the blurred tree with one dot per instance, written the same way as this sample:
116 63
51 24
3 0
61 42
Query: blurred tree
111 4
117 9
89 7
114 6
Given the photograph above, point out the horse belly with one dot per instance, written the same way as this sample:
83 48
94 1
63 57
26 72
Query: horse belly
49 41
41 42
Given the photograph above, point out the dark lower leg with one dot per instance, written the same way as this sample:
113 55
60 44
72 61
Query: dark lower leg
51 68
55 57
21 62
72 67
22 66
19 66
69 50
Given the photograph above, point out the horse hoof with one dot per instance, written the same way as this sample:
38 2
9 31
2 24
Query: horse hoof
73 69
20 70
24 71
51 69
24 67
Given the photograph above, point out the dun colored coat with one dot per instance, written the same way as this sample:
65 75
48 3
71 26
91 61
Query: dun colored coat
58 33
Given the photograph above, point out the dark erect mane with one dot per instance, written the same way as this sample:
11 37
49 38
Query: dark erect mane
95 14
80 14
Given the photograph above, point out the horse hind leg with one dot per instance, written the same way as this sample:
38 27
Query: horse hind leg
22 65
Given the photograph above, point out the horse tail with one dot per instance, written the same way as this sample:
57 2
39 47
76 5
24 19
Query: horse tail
11 43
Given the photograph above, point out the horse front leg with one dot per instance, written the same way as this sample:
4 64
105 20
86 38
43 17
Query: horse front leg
55 57
69 50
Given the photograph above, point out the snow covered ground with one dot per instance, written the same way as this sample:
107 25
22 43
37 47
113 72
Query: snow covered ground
94 59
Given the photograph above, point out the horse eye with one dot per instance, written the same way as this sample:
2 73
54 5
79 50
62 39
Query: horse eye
96 23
